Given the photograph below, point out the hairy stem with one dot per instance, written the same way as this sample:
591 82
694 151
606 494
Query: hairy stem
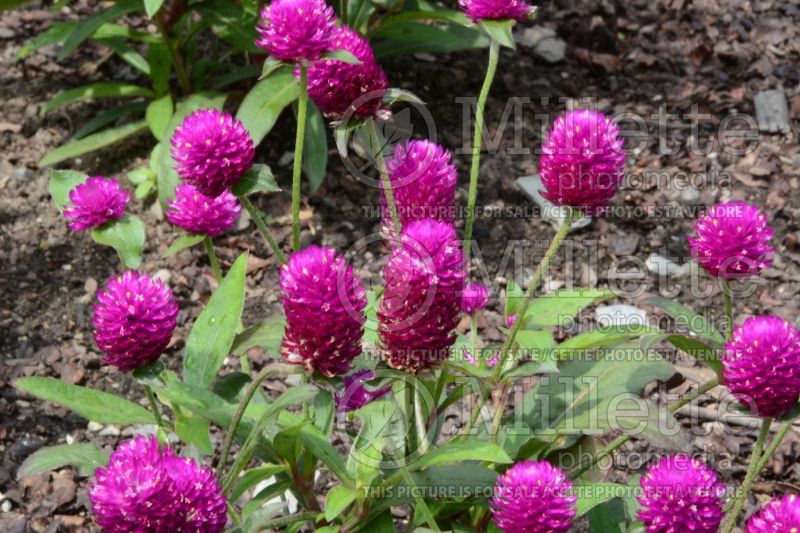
776 441
151 399
212 258
729 522
297 168
727 300
262 227
174 53
386 183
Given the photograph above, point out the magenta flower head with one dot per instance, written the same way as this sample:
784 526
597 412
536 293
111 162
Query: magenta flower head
147 488
212 150
195 212
424 278
95 202
335 85
533 497
478 10
324 305
475 298
582 161
424 181
356 395
761 365
732 240
296 30
779 514
134 318
680 493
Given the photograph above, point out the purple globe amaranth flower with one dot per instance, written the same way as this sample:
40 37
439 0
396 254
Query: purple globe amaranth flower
296 30
335 86
582 161
95 202
779 514
475 298
424 278
680 494
533 497
324 305
147 488
732 240
195 212
134 318
478 10
355 394
761 365
212 151
424 181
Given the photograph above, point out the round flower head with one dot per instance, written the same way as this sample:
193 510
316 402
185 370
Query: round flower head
335 85
582 161
424 279
680 494
779 514
134 318
732 240
533 497
324 305
355 394
761 365
478 10
424 181
146 488
195 212
95 202
475 298
212 150
296 30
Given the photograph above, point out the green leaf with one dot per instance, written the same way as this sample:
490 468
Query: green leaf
231 23
500 31
321 448
258 179
62 182
92 143
591 495
95 90
345 56
193 429
338 499
90 404
412 37
126 236
560 307
645 420
609 517
256 520
110 116
703 352
514 296
151 7
262 106
463 450
127 53
183 242
688 319
143 190
158 116
53 35
603 336
532 368
253 477
160 63
271 65
267 335
88 26
212 334
84 456
315 145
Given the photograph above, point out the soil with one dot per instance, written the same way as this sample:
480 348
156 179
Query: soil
709 57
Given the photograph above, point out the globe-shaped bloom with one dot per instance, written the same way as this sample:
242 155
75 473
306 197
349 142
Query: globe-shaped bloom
732 240
335 86
582 161
533 497
424 278
761 365
779 514
95 202
324 305
355 394
478 10
296 30
680 494
212 150
134 318
424 181
475 298
147 488
195 212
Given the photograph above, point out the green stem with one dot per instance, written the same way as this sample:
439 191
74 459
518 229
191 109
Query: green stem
729 521
776 441
279 523
262 227
212 258
481 401
297 168
420 420
386 183
151 399
727 299
692 396
494 55
174 54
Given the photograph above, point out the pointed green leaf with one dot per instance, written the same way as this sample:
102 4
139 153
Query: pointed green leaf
345 56
158 116
264 103
183 242
500 31
126 236
258 179
463 450
315 148
151 7
83 456
688 319
92 143
62 182
88 26
337 500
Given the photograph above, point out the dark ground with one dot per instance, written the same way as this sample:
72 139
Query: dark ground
632 56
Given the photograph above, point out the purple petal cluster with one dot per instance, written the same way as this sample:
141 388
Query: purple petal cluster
355 394
212 150
335 86
582 161
761 365
475 298
95 202
134 317
680 493
195 212
146 488
779 514
324 305
296 30
732 240
478 10
424 278
533 497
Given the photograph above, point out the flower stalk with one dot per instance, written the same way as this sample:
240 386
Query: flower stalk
737 503
297 168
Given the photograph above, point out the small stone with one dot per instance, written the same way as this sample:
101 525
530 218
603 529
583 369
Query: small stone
90 286
24 447
620 315
665 267
110 431
21 174
6 506
533 36
772 111
552 49
6 33
94 426
690 197
164 275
